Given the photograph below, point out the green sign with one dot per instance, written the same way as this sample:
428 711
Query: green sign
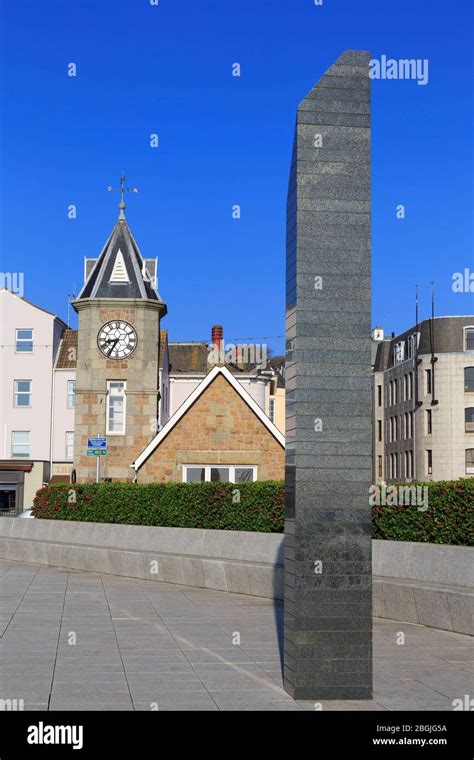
96 452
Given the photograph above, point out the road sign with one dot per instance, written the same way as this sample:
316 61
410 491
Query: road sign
97 443
96 452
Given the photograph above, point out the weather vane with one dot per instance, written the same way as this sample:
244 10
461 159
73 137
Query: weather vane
122 190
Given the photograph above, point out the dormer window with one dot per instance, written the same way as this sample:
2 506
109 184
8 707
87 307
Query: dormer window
469 338
399 352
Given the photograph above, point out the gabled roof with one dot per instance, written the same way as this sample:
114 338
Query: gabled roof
198 391
25 300
67 357
120 271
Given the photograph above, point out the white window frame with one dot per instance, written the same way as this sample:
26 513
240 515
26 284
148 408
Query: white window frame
109 397
469 468
24 340
17 393
70 394
271 409
28 444
69 446
231 467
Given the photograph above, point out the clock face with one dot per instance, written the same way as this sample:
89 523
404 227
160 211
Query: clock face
117 339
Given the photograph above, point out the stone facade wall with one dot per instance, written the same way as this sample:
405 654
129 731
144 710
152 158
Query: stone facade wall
448 440
94 370
218 429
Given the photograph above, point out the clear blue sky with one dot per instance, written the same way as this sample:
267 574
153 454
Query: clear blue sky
143 69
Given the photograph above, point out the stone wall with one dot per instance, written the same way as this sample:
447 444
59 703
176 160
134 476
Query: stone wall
140 371
219 428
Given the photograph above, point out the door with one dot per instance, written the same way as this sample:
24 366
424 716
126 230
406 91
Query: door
7 500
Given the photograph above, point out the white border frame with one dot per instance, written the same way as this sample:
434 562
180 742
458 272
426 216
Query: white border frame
230 467
114 432
25 340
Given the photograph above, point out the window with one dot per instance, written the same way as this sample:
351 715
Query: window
410 459
399 352
271 409
395 419
71 390
405 387
410 421
391 393
380 472
469 379
379 427
428 380
24 341
379 395
429 461
469 419
20 444
412 346
469 461
429 429
469 338
408 464
395 391
116 403
70 444
215 473
395 466
410 385
22 393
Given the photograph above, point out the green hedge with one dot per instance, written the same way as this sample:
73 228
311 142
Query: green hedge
448 519
180 505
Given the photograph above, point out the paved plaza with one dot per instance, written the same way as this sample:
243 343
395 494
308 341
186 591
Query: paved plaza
82 641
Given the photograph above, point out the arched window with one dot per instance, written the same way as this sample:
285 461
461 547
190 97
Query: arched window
469 419
469 338
469 379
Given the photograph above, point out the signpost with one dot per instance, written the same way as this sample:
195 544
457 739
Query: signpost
97 447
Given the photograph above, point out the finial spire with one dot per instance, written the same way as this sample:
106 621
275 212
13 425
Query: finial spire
122 190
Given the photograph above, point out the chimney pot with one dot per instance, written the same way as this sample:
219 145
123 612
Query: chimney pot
217 336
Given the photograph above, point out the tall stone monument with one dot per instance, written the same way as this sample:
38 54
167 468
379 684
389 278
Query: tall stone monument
328 604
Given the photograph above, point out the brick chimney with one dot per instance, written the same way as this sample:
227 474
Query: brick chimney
216 353
217 337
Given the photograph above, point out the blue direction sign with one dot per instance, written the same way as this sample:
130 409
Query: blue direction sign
97 443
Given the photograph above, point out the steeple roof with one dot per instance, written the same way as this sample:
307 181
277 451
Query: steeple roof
120 271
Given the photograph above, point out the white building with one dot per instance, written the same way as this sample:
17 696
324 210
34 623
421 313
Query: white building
30 338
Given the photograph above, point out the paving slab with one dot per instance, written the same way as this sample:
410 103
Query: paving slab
143 645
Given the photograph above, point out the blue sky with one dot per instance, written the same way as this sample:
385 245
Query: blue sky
166 69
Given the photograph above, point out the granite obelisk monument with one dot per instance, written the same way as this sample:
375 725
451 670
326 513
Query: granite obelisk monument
328 604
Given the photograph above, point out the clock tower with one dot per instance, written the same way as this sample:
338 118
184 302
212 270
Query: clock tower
117 377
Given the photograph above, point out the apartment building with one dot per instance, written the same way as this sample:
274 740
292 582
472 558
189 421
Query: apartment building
423 401
30 339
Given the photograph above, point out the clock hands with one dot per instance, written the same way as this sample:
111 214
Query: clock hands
114 342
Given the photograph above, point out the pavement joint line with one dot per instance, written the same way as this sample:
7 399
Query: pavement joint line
184 651
38 568
57 643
